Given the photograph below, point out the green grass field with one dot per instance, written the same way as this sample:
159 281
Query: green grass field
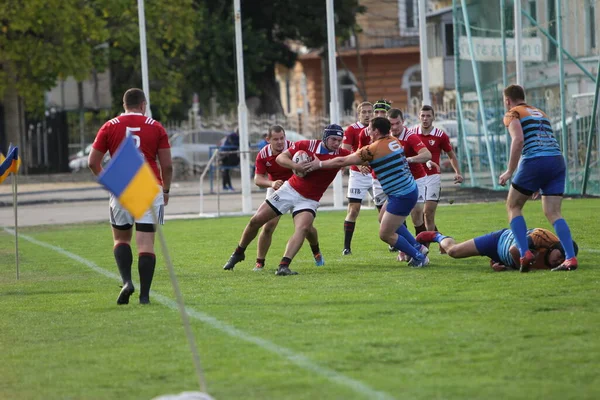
361 327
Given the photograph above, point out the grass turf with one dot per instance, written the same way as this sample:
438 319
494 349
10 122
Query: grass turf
363 326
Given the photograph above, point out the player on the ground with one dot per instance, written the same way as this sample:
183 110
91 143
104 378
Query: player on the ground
436 141
500 246
359 181
386 156
300 195
542 168
271 176
152 140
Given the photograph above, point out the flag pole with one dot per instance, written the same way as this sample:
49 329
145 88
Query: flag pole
14 187
180 304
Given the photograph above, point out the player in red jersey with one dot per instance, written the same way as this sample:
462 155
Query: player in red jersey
360 181
436 141
300 195
152 141
270 175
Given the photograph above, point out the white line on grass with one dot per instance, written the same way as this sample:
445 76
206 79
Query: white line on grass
284 352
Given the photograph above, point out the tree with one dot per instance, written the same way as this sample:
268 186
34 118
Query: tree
170 27
269 26
41 41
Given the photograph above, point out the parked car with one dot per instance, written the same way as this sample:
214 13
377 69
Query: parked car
190 151
294 136
79 160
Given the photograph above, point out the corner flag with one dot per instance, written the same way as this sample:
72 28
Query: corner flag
129 178
9 164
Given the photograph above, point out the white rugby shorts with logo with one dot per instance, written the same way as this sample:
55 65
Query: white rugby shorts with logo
433 187
286 198
380 197
119 216
359 185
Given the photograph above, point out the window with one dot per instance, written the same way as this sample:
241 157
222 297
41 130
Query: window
592 23
449 40
551 28
533 12
408 17
347 89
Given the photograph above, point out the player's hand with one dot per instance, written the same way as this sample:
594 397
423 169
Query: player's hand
432 165
311 165
364 169
277 184
166 198
458 178
505 177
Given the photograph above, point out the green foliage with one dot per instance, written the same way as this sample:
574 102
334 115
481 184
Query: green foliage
453 330
43 40
269 26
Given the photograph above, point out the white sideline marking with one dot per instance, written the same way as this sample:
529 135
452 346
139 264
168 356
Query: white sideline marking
284 352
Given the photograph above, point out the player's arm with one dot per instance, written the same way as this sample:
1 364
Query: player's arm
285 160
166 167
455 166
339 162
262 181
422 156
516 147
95 161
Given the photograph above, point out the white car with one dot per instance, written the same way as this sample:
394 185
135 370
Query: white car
79 161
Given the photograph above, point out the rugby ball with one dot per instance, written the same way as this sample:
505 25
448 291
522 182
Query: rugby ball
300 157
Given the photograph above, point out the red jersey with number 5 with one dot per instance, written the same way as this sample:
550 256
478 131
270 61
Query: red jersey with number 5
149 136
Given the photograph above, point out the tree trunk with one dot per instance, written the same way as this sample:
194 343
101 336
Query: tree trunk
270 102
12 116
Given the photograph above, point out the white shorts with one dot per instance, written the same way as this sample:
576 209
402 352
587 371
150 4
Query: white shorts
379 196
286 198
359 185
119 216
433 187
421 185
270 191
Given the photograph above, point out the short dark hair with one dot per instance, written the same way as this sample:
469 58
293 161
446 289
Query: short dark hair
383 125
133 98
273 129
514 92
427 107
395 113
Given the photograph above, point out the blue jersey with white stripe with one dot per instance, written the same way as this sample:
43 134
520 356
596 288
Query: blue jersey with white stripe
538 135
386 157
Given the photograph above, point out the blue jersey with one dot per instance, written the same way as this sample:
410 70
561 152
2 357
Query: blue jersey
538 136
386 157
505 241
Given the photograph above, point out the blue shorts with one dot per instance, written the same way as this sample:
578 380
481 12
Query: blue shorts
546 174
402 205
487 245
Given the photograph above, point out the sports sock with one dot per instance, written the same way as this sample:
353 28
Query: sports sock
519 230
564 234
439 237
315 249
285 262
124 259
239 250
146 265
260 261
403 245
348 232
404 232
420 228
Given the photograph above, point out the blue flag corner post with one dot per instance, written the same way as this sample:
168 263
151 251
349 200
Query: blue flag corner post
10 164
131 180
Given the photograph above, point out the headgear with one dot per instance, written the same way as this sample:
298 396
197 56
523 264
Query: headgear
382 104
332 130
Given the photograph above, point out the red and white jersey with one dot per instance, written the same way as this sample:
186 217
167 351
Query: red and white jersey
149 136
354 135
436 141
266 164
412 145
314 184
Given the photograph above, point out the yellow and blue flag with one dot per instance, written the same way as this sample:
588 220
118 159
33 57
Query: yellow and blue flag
10 163
130 179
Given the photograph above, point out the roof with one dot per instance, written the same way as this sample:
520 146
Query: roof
364 52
